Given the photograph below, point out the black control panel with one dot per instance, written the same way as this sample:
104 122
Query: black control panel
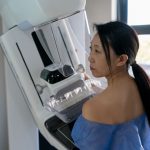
61 131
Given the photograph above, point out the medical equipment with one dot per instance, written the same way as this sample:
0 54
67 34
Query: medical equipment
46 48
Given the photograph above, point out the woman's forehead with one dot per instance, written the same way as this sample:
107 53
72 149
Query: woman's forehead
96 40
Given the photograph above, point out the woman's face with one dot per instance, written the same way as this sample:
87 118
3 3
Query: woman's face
97 59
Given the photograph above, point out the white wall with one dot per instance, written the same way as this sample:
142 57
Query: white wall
100 11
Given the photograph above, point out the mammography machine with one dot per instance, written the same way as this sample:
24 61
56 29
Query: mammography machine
45 48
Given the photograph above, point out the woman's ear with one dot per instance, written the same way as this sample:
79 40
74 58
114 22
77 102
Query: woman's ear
122 59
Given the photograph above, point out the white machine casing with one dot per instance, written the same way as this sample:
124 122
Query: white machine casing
47 38
36 12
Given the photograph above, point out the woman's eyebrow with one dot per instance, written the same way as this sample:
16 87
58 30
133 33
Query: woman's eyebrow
96 45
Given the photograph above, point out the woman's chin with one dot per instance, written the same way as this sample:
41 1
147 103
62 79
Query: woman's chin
95 74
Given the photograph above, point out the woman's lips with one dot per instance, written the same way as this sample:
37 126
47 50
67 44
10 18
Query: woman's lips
92 68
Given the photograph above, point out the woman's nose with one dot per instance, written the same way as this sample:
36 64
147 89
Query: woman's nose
90 58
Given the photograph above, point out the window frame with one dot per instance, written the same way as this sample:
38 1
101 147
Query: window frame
122 15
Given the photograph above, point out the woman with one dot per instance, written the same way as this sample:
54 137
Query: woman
117 118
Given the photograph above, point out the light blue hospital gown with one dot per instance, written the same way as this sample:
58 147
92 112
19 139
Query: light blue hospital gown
131 135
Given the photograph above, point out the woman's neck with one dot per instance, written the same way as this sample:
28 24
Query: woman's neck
118 78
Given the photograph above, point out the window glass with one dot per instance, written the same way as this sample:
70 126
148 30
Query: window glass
143 55
138 12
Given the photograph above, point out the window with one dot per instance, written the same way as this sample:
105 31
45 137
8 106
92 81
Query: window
138 12
135 13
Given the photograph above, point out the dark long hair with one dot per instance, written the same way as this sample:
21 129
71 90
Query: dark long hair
124 40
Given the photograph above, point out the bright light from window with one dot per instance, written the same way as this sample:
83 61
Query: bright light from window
143 56
138 12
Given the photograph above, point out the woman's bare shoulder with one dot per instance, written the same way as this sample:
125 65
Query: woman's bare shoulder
111 108
87 108
96 107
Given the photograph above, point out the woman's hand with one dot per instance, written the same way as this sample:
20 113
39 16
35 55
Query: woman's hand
86 76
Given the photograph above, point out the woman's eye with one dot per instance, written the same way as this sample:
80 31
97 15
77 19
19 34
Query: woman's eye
94 50
97 51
